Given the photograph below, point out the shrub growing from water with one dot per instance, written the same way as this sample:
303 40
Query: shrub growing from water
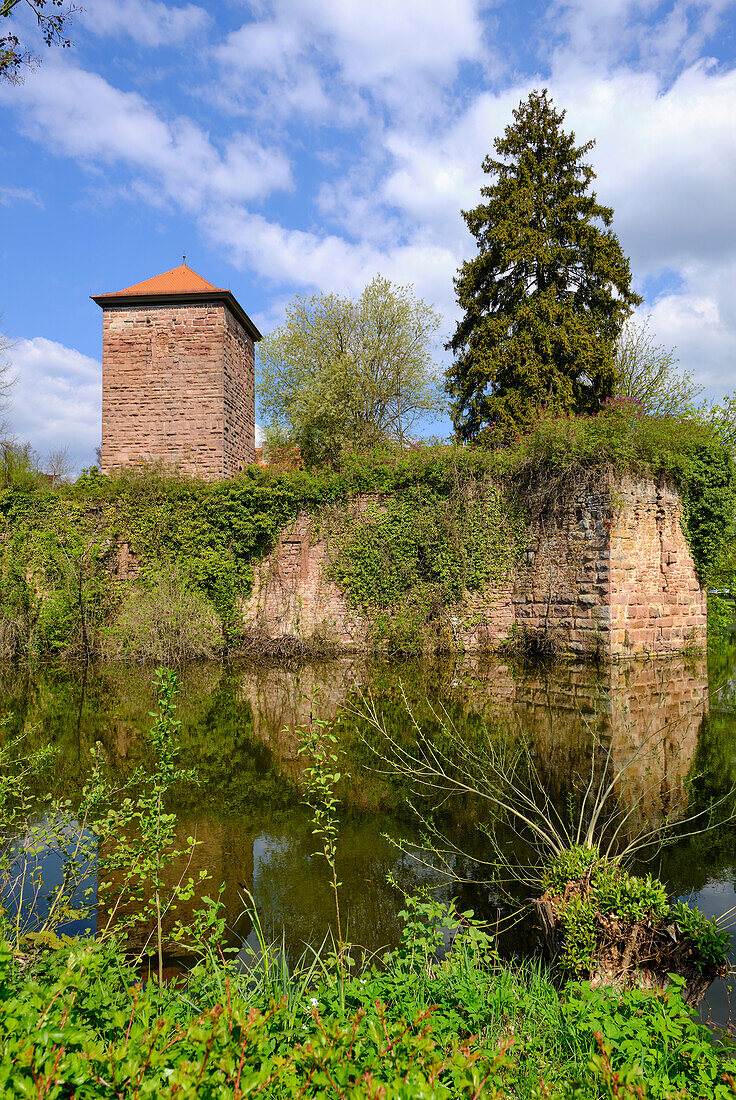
606 913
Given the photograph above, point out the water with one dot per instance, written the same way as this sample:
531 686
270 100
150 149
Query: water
247 811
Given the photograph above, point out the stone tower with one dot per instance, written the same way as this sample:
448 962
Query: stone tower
177 376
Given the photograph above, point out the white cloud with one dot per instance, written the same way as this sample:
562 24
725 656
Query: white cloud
146 21
81 115
9 195
312 261
57 399
596 36
317 57
700 322
380 40
266 69
666 161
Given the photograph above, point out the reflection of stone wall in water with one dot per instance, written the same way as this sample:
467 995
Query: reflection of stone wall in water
607 572
282 696
224 849
648 713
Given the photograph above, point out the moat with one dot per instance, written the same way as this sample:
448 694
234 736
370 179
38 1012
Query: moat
247 811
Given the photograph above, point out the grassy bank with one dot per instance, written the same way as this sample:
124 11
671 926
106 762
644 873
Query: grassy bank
153 566
77 1021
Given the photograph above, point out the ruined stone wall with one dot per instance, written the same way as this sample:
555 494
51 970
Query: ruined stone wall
656 599
177 387
292 596
562 587
607 573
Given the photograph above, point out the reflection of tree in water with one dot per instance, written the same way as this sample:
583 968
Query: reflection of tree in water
292 891
237 724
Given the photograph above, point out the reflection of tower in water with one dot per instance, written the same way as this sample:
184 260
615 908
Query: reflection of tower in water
224 850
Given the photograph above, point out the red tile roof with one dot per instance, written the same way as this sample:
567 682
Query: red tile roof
180 285
180 280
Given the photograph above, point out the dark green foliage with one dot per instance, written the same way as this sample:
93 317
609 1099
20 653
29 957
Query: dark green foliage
674 1055
545 298
712 940
76 1021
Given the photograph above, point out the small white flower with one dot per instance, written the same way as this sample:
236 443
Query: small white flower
313 1002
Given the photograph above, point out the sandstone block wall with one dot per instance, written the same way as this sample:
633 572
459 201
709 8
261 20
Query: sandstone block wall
239 397
608 573
656 599
562 585
177 387
612 571
292 597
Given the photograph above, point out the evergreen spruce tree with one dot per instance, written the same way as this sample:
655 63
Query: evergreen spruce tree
545 298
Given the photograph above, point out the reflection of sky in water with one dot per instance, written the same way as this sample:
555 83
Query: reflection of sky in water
717 899
249 812
34 881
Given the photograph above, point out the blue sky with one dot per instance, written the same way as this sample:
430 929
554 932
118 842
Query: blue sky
295 146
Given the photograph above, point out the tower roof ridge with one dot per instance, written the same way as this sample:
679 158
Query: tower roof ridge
179 286
179 280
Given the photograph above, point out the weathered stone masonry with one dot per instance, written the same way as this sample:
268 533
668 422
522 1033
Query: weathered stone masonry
609 573
177 377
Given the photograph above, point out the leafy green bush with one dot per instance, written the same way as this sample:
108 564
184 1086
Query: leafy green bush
78 1022
713 941
84 1026
629 897
161 618
579 919
675 1055
570 865
586 889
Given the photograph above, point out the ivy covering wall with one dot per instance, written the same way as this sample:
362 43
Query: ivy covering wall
442 520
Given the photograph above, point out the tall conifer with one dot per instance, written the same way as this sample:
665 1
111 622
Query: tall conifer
544 299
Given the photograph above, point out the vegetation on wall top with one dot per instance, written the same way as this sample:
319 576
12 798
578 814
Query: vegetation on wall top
447 518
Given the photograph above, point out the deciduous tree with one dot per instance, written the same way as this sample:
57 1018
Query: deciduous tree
52 18
648 373
344 374
7 381
545 297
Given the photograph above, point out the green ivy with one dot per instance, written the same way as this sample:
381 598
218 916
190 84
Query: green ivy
442 521
409 557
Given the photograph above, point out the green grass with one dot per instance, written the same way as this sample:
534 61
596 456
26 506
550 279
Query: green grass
76 1022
